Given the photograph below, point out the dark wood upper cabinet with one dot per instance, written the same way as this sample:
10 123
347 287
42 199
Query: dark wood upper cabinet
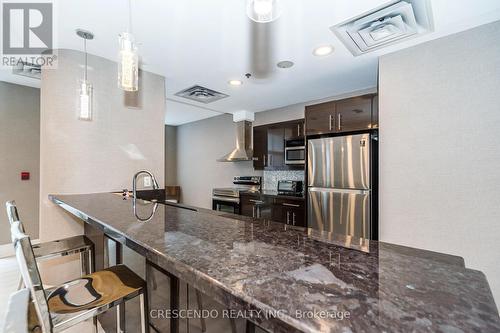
276 146
294 129
269 144
320 118
259 147
346 115
354 114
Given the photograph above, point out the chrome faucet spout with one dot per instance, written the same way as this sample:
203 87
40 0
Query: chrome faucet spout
134 181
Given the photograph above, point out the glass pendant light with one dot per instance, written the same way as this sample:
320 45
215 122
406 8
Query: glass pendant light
86 91
263 11
128 59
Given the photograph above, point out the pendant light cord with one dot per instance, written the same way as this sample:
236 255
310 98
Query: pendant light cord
129 29
85 49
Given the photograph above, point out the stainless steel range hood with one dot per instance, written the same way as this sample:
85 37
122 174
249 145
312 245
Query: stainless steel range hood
243 150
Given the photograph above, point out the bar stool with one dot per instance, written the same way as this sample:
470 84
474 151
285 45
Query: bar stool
81 299
59 248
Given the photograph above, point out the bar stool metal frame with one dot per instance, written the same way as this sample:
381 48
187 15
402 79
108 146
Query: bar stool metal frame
64 306
59 248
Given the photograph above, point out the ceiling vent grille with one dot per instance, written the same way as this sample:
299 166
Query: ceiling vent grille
201 94
385 26
29 70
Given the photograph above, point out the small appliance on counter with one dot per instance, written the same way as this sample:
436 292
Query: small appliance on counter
228 199
290 187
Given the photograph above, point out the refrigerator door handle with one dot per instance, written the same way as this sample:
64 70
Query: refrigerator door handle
338 190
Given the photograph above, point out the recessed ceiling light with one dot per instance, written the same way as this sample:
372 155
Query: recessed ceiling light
285 64
323 50
235 82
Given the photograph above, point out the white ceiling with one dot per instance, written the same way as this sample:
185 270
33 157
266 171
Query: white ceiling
208 42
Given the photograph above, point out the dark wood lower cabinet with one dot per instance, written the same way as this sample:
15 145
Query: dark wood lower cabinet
289 211
247 207
292 212
256 206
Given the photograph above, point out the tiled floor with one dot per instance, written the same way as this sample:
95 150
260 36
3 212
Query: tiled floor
9 280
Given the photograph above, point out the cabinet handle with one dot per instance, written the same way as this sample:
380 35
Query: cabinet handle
298 129
264 158
293 218
253 211
290 205
339 121
260 202
287 217
330 122
270 160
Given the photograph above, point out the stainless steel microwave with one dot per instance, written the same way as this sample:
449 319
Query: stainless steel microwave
295 152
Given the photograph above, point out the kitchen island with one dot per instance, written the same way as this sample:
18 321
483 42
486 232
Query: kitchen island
294 279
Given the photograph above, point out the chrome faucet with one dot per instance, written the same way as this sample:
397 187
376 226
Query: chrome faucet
134 181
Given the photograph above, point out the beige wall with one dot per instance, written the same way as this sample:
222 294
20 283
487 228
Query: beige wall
199 145
170 155
19 151
126 135
439 148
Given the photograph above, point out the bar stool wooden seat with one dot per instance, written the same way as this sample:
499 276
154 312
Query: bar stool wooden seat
81 299
59 248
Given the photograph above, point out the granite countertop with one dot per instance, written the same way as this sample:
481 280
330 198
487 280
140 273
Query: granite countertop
303 281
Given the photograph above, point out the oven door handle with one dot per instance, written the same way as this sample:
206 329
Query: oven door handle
290 205
295 148
258 202
226 199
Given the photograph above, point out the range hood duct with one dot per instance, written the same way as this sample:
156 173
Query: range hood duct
243 151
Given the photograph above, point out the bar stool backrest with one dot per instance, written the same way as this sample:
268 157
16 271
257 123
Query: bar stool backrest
12 213
30 274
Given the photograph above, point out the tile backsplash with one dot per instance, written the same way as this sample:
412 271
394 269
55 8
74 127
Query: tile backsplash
271 178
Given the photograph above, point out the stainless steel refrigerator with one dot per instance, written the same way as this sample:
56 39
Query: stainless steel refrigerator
340 186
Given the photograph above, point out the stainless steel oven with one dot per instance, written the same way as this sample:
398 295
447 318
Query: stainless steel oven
227 204
228 199
295 152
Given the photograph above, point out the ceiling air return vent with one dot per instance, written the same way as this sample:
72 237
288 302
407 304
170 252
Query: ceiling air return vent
201 94
29 70
385 26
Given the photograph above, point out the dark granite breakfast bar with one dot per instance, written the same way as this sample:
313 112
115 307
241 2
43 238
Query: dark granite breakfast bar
302 280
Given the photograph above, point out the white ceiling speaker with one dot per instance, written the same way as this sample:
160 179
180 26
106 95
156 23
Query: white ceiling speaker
385 26
263 11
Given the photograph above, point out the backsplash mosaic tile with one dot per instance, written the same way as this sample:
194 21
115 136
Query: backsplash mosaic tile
271 178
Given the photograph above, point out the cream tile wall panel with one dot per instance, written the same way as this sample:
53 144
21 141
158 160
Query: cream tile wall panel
126 135
439 148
